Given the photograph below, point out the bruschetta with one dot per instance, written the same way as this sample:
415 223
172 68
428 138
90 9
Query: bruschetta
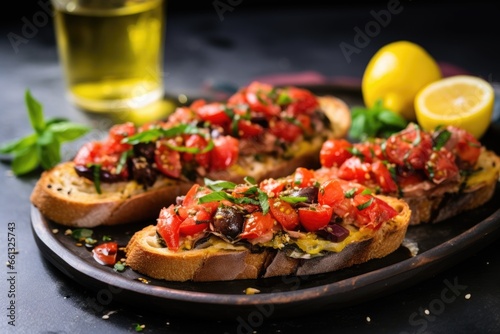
261 131
440 173
294 225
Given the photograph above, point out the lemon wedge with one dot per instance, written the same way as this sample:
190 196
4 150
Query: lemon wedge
395 74
463 100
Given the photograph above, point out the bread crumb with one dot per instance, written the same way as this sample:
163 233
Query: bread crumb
106 316
55 231
368 319
68 232
467 296
426 311
251 291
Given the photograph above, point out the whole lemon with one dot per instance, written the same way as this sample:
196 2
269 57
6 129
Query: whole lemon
395 74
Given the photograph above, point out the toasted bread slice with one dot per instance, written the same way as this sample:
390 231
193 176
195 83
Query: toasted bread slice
227 262
68 199
440 205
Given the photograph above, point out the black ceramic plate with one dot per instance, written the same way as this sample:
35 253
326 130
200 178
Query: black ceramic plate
440 246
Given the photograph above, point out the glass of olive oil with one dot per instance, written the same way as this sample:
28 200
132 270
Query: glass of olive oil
111 52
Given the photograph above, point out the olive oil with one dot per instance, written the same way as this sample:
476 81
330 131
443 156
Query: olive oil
111 51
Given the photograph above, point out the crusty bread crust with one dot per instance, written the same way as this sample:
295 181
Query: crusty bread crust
146 256
68 199
479 189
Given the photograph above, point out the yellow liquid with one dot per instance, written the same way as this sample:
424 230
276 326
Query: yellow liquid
112 57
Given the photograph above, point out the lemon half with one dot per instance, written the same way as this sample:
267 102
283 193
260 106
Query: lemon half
395 74
462 100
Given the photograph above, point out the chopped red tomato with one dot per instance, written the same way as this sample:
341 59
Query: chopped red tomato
272 186
214 113
383 177
197 141
441 166
168 161
464 145
225 152
106 253
355 170
259 97
372 211
247 129
330 193
368 151
301 101
168 226
315 216
303 177
411 147
334 152
285 130
257 224
190 226
284 213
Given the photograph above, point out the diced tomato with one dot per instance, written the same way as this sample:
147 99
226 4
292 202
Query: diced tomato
285 130
303 177
106 253
225 152
191 196
381 174
117 133
88 153
302 101
406 178
190 226
272 186
284 213
372 211
257 224
259 97
214 113
330 193
315 216
168 161
355 170
168 226
197 141
411 147
247 129
334 152
441 166
464 145
369 151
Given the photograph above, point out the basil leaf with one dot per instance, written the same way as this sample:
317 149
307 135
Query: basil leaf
350 193
284 99
365 204
391 118
263 201
19 144
25 161
219 185
216 196
35 112
49 154
143 137
441 139
250 180
66 131
293 199
97 177
81 234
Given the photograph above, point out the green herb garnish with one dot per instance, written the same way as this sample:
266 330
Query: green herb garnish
43 147
80 234
119 267
293 199
365 204
375 122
